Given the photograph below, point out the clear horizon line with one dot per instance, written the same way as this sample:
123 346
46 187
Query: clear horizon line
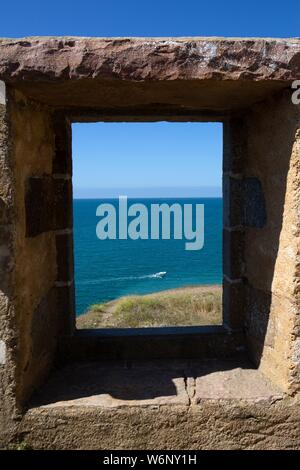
131 188
148 197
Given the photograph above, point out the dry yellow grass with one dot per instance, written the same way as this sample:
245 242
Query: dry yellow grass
186 306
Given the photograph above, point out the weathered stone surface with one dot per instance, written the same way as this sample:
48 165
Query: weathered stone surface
149 59
48 204
62 203
242 82
154 343
8 314
233 303
31 148
62 161
233 253
64 256
43 319
100 73
196 405
257 321
272 251
209 425
146 383
254 203
39 205
65 310
244 202
95 384
233 214
234 145
227 382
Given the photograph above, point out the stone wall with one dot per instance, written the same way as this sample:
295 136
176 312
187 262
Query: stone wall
51 82
35 271
36 247
43 237
8 323
272 249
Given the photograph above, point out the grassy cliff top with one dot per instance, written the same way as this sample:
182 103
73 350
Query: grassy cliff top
186 306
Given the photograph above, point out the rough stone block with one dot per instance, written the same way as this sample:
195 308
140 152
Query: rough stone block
62 162
255 213
235 145
258 305
170 406
232 202
244 202
228 382
65 309
4 216
43 321
257 318
233 303
39 206
233 253
245 82
64 257
62 200
92 384
48 205
152 344
214 74
6 259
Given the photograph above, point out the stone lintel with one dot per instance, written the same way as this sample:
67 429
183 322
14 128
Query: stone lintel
220 74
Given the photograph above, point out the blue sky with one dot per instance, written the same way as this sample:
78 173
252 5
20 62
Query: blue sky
129 156
147 159
267 18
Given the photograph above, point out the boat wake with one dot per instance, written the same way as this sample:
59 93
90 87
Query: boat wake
159 275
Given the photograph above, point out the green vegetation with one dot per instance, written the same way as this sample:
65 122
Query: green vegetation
18 445
185 306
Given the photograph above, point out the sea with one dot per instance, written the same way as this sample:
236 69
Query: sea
108 269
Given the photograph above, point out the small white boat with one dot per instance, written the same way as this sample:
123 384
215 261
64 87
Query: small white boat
161 274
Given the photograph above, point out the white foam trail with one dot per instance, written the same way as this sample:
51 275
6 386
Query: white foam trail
158 275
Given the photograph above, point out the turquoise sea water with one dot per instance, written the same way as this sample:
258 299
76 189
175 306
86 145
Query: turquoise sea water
108 269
